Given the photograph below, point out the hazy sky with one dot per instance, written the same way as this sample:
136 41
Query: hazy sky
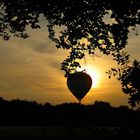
30 69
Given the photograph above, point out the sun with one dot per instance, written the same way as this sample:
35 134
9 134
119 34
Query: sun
94 74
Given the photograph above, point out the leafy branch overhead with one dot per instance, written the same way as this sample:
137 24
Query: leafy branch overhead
82 19
130 80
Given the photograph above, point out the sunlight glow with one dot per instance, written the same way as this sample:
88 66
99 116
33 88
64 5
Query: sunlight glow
95 75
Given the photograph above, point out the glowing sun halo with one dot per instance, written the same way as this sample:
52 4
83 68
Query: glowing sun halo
95 76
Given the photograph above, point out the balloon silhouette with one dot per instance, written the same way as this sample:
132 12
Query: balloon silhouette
79 83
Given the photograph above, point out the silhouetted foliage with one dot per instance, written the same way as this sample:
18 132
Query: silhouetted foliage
130 80
84 27
82 19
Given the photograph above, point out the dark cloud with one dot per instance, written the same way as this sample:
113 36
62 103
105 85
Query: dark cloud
46 48
41 49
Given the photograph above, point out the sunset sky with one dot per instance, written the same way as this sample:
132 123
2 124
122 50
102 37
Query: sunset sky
30 69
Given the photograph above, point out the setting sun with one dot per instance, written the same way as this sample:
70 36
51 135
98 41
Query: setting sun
95 75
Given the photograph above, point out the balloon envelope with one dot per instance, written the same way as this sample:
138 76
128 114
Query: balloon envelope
79 83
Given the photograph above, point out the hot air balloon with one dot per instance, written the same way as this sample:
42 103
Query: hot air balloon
79 83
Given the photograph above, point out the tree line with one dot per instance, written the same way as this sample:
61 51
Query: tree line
30 113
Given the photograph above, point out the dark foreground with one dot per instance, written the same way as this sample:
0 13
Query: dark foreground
68 133
24 120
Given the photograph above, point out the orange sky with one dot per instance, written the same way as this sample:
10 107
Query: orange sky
30 69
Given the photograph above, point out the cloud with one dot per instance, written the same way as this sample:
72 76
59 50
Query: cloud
30 69
133 48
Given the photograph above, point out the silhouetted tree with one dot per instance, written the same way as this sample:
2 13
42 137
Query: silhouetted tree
84 27
130 80
129 75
